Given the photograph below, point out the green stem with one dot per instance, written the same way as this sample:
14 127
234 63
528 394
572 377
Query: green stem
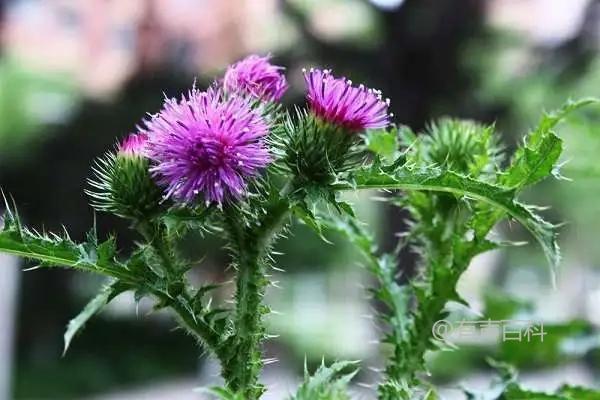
445 262
203 332
199 329
242 368
156 237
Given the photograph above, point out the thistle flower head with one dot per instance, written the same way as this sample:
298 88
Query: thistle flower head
256 76
336 101
133 145
206 145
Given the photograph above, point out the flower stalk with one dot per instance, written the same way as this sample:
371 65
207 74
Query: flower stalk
251 245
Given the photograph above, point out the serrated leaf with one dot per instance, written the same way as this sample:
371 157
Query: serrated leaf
106 294
179 219
327 383
310 219
383 142
439 180
534 164
107 250
53 250
384 268
537 157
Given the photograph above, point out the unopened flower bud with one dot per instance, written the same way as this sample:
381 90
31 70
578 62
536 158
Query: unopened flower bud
123 184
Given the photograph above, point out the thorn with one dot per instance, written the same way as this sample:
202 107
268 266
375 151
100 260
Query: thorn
365 385
33 268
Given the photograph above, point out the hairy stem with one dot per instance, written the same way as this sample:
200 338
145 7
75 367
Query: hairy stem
242 368
156 237
180 299
446 256
199 329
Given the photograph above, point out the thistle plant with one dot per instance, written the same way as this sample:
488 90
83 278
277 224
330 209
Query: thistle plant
232 161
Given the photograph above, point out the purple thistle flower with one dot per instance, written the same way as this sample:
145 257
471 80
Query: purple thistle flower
206 144
254 75
336 101
133 145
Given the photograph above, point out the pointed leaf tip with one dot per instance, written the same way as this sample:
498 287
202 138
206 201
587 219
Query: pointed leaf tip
106 294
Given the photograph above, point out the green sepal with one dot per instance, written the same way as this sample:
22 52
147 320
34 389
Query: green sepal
314 151
122 185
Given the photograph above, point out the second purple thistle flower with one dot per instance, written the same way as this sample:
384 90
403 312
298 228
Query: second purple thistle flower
256 76
336 101
207 146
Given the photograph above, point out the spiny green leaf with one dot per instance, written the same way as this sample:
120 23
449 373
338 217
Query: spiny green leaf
202 307
327 383
180 219
537 157
439 180
534 164
309 219
551 119
383 143
52 250
107 293
307 209
383 267
395 297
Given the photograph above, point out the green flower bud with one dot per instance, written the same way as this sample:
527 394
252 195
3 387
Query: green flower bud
315 151
123 184
461 145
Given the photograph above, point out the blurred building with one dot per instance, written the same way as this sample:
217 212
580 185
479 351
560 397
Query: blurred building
102 43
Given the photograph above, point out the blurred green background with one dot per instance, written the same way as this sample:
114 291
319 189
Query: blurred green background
77 74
